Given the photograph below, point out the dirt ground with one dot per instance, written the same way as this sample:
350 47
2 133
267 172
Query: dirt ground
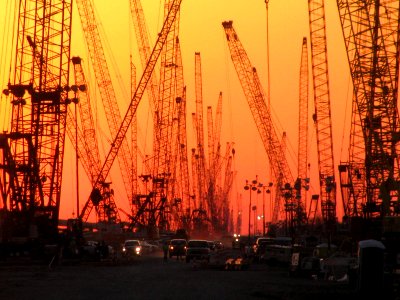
151 278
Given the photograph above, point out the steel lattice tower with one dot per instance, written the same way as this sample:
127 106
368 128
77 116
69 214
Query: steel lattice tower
322 116
371 34
32 152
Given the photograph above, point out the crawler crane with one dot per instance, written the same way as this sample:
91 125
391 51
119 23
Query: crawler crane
86 144
32 151
108 97
257 102
141 87
371 34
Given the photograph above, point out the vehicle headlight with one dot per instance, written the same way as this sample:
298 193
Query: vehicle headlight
138 249
123 249
171 247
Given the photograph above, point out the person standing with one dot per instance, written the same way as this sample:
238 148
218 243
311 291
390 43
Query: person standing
165 250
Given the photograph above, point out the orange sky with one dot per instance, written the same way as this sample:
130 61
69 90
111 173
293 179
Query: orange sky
201 31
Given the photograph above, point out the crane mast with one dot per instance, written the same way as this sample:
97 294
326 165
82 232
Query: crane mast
217 130
162 173
176 189
210 139
302 158
254 93
217 140
131 111
182 166
322 115
199 130
370 30
134 143
32 151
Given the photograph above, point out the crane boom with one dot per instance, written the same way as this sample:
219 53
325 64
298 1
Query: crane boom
162 37
302 158
322 116
182 167
256 99
142 38
199 130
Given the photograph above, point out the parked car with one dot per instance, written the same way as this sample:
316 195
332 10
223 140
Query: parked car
277 255
211 245
337 265
218 245
95 250
259 246
177 247
132 248
197 249
148 247
90 250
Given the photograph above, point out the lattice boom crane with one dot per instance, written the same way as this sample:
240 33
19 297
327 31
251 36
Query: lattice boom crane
162 37
322 116
254 93
33 150
371 34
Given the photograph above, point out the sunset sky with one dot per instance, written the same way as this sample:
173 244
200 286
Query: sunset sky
201 31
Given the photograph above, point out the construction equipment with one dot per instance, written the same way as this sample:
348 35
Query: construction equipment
256 99
86 144
371 183
302 181
199 130
182 164
322 115
142 38
141 87
108 96
32 151
202 177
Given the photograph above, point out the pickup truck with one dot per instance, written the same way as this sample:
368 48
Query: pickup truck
197 249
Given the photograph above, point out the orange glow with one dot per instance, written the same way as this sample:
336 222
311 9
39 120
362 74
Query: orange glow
201 31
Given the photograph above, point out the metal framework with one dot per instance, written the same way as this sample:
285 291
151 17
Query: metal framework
371 34
162 37
86 144
106 89
199 131
322 116
254 93
142 38
182 166
302 158
33 150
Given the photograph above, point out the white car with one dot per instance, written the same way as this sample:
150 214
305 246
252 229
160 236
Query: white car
147 247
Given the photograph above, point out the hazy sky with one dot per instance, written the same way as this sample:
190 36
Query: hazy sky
201 31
